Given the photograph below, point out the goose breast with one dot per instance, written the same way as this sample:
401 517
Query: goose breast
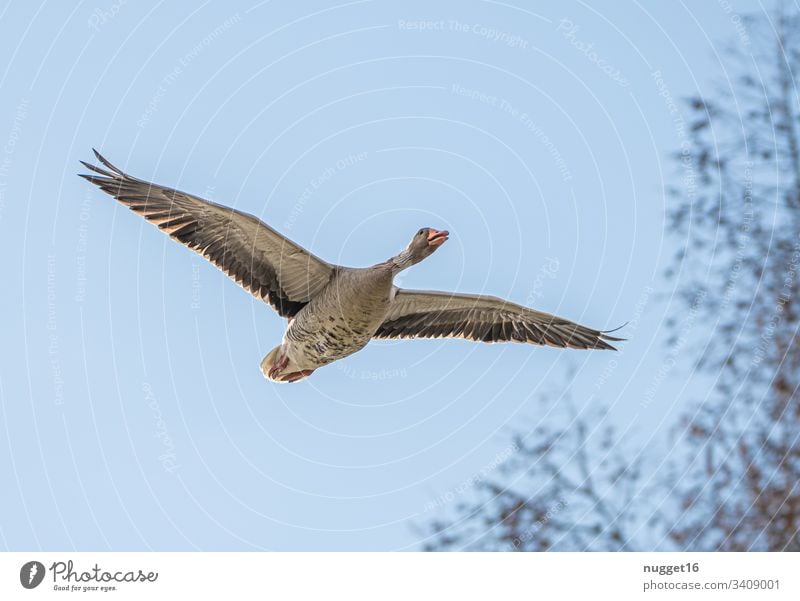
343 317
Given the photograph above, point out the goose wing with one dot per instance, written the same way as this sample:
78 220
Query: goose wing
431 314
255 256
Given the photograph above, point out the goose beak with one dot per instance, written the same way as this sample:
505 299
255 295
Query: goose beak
437 238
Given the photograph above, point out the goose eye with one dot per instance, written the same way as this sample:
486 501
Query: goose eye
419 233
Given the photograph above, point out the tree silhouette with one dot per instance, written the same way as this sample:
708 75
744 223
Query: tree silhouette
741 226
552 493
735 482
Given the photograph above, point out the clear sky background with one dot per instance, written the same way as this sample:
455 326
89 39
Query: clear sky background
133 414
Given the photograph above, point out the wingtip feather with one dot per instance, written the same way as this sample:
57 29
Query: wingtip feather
106 162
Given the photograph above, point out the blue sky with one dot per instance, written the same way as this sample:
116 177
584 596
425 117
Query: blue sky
134 415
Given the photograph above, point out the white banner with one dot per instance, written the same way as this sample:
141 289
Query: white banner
87 576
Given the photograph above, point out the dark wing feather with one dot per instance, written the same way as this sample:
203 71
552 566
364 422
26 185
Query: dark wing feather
255 256
431 314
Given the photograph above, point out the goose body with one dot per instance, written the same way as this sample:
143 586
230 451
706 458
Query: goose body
333 311
340 321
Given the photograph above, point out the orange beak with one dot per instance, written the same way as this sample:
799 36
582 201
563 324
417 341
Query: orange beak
437 238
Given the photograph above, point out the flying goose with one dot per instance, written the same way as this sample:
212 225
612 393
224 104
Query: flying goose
333 311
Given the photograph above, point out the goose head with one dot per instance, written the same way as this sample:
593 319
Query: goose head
423 244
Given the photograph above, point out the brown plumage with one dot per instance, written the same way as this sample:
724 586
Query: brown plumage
431 314
333 311
257 257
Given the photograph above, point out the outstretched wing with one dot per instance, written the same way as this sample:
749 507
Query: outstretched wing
255 256
431 314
